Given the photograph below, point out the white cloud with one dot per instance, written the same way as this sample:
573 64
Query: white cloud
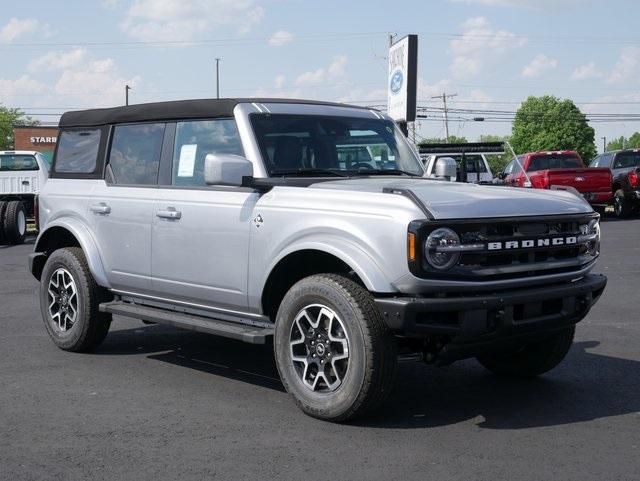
74 78
539 65
179 20
626 65
279 81
479 44
280 38
324 75
16 28
587 71
58 60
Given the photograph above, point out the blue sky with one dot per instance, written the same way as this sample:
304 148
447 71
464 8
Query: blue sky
491 53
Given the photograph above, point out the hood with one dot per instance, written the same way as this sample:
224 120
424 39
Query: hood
453 200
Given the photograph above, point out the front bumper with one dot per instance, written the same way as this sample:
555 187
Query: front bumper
477 322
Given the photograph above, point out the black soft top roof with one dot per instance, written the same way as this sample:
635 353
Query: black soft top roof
173 110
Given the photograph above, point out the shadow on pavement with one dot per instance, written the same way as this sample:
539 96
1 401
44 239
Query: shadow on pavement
585 387
28 240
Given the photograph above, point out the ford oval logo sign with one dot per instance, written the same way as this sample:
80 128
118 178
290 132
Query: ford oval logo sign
395 85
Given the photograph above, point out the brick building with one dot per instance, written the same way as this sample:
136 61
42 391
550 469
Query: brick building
39 138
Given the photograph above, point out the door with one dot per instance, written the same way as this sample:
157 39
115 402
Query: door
122 206
201 233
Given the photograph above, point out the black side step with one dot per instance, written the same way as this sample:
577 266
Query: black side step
233 330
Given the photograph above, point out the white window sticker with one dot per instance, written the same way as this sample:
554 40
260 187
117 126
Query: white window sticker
187 160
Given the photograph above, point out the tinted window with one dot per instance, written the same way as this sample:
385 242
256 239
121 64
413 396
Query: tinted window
555 161
597 162
196 139
77 151
294 143
135 153
18 162
474 163
626 160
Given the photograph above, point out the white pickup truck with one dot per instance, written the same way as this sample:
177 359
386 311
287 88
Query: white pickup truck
22 174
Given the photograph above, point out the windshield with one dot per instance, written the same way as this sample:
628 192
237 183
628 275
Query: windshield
18 162
555 161
626 160
332 145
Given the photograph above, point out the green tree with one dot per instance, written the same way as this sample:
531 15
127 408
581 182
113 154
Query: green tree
632 142
548 123
10 118
499 161
453 139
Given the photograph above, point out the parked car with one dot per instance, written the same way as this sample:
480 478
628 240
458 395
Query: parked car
476 168
625 169
560 170
236 217
22 174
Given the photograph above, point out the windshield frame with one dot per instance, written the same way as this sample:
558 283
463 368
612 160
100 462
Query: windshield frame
402 145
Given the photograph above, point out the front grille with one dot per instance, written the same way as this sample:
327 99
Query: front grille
516 262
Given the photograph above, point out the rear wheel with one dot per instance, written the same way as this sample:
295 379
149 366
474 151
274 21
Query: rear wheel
334 353
69 300
622 208
15 222
3 209
533 359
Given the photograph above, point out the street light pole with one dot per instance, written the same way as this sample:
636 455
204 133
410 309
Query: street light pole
217 78
126 94
604 144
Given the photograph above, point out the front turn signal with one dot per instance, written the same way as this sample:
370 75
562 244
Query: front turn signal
411 246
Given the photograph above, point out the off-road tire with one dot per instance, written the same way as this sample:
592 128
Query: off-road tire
533 359
372 350
15 222
622 207
91 325
3 209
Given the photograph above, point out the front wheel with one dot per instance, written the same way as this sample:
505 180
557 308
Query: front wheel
334 353
532 359
69 300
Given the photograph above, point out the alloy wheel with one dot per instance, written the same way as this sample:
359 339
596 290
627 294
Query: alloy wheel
63 300
319 348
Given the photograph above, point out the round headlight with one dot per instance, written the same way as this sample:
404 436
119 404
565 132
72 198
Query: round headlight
593 228
436 249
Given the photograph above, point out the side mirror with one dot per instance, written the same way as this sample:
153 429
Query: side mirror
446 168
226 169
502 176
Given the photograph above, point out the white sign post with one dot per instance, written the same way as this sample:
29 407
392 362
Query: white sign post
403 79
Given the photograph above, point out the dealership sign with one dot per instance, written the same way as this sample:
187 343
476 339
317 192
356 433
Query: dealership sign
43 140
402 82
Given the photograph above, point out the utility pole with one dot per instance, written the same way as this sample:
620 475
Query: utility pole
217 78
444 98
126 94
604 144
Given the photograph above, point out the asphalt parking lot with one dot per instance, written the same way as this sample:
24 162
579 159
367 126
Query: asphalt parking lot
160 403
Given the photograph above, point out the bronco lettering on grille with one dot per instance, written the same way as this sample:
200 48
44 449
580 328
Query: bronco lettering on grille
532 243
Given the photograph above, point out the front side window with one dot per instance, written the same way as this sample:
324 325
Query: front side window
16 162
194 140
135 153
332 145
77 151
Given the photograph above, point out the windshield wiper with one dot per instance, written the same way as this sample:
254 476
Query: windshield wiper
335 173
387 172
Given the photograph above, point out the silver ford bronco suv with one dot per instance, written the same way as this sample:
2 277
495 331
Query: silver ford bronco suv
260 218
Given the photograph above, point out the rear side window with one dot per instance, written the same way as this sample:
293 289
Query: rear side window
474 163
77 151
194 140
134 158
626 160
17 162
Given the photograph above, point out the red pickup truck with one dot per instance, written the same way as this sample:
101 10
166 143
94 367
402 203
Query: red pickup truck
562 169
